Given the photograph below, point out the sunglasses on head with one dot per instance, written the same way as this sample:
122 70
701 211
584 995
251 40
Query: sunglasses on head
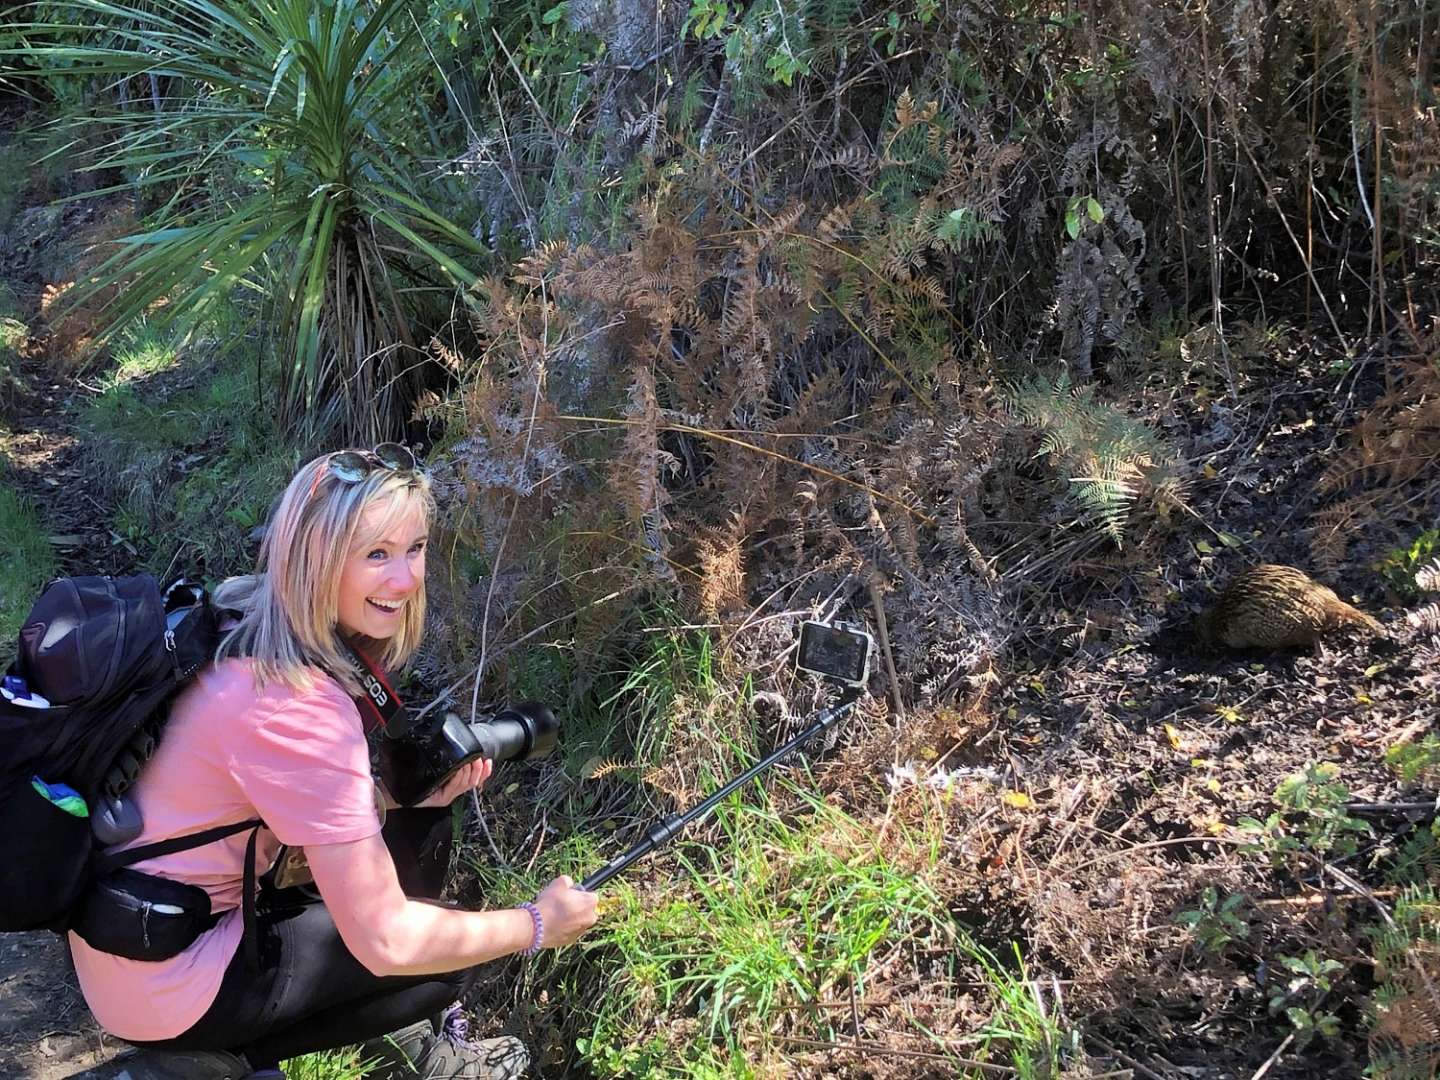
352 466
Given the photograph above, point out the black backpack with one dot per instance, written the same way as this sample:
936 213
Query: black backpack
105 655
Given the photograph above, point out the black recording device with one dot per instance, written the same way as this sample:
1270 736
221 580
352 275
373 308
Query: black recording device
415 763
836 651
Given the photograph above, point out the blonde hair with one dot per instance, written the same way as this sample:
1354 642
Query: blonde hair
289 607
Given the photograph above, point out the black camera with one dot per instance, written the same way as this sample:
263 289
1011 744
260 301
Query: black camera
838 651
419 761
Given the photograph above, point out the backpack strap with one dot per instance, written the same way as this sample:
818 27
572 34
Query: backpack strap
116 859
250 930
104 864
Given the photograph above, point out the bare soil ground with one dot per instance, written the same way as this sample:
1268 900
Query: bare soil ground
46 1032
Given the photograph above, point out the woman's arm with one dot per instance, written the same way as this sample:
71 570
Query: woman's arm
393 935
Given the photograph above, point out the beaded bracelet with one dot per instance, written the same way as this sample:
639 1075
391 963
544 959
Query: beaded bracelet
539 939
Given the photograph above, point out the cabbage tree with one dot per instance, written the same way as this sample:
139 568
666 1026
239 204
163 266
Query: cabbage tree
283 144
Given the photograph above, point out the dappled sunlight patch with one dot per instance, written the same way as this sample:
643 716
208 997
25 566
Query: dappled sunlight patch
140 352
75 334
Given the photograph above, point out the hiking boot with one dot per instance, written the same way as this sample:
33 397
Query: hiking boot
176 1065
417 1053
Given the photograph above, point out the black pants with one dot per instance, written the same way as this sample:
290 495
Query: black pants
310 993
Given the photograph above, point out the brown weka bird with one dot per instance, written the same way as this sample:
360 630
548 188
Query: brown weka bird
1277 607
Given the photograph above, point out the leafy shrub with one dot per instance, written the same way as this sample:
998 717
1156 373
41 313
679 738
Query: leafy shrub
1216 922
1403 567
1311 817
1301 994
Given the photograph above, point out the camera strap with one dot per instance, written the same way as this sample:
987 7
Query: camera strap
380 706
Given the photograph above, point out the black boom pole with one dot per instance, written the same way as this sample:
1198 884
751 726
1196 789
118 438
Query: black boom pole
666 829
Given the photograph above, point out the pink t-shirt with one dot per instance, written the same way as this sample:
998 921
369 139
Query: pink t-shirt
295 759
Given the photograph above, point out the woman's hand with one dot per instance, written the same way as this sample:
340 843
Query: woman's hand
568 912
466 778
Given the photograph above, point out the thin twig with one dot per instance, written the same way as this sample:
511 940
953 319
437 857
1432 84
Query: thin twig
835 91
1274 1057
879 605
1157 844
525 85
722 93
854 1010
504 538
1309 270
919 394
484 828
1411 957
1126 1059
504 650
1317 899
440 70
513 182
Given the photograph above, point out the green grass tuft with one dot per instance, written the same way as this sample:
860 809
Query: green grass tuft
774 916
709 947
28 564
141 352
343 1064
193 472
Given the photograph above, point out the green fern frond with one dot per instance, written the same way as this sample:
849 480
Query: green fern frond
1105 459
1053 443
1107 502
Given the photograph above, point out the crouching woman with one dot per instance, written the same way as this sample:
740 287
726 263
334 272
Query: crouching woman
271 731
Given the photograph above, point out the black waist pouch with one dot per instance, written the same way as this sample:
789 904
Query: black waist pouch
143 917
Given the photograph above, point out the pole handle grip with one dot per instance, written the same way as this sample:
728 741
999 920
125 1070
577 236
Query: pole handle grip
666 829
659 834
601 876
